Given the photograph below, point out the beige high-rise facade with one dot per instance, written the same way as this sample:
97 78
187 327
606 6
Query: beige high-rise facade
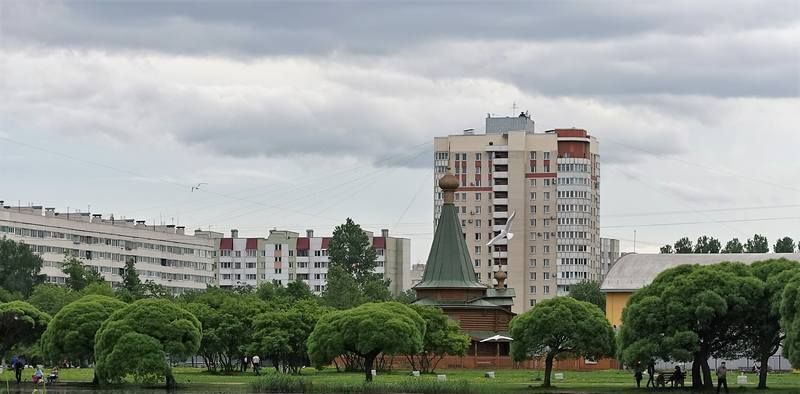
550 180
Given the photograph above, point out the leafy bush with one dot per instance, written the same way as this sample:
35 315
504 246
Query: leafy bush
279 383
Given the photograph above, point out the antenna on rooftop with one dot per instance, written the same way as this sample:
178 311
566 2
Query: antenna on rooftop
513 108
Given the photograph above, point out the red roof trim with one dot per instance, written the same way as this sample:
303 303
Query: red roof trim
325 242
303 243
379 243
252 243
226 243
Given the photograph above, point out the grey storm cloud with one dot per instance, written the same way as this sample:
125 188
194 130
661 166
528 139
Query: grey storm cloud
552 47
375 80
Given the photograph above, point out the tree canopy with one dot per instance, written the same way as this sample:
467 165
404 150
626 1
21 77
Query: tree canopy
352 279
706 244
784 245
282 334
137 339
227 320
19 267
79 275
442 337
666 249
20 324
733 246
790 318
688 313
50 298
683 245
757 244
762 332
562 325
367 330
589 291
72 330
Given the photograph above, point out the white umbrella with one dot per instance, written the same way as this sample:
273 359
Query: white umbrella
497 338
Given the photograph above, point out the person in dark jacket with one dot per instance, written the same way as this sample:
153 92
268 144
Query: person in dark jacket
651 372
18 367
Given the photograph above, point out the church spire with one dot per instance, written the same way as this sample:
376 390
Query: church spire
449 263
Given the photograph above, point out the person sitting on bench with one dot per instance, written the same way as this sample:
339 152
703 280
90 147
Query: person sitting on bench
53 375
677 377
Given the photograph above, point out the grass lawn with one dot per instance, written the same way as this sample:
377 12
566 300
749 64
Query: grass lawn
505 381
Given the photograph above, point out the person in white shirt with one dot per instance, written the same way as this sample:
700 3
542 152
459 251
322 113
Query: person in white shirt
256 364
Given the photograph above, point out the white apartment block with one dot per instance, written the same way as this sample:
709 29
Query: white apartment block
550 179
162 254
284 256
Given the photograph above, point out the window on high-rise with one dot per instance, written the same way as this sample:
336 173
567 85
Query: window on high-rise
533 302
477 196
546 289
533 155
546 156
477 156
532 263
477 250
477 262
547 196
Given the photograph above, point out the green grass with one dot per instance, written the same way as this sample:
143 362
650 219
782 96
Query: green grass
506 381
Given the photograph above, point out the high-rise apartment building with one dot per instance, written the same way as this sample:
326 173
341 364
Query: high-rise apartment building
609 253
284 257
550 181
162 254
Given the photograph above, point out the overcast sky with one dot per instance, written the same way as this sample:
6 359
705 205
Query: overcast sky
298 115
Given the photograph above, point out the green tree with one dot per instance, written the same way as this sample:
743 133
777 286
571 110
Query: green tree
351 253
137 339
227 320
351 249
683 245
589 291
706 244
282 335
20 324
406 297
19 267
763 333
790 318
733 246
50 298
784 245
342 290
562 325
98 288
79 275
7 296
71 332
757 244
442 337
276 294
367 331
666 249
132 287
689 313
154 290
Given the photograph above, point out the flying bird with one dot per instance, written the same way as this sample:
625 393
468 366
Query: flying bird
505 232
198 186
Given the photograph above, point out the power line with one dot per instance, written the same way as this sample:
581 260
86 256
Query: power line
702 222
707 210
706 167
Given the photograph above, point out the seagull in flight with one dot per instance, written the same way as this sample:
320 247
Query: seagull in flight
505 232
198 186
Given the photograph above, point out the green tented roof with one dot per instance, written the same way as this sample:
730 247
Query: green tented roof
449 263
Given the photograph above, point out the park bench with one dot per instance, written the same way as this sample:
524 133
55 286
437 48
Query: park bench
664 378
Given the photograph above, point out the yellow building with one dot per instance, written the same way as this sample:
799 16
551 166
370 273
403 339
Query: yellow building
633 271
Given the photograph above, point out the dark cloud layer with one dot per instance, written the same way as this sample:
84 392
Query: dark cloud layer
374 79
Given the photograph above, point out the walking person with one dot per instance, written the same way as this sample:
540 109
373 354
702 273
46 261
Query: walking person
244 363
19 365
651 372
722 377
638 376
256 364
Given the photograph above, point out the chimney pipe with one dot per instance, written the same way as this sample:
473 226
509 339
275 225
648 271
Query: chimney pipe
385 233
234 233
310 233
180 230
